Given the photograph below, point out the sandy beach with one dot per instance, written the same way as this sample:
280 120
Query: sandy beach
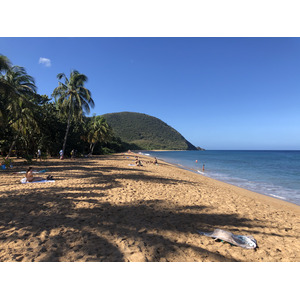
105 209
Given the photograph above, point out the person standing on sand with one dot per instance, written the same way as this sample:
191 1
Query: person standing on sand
61 154
39 155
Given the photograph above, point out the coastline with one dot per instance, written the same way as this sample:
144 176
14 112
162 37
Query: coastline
242 189
270 199
255 189
104 209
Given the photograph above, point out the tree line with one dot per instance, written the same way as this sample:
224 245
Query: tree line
30 121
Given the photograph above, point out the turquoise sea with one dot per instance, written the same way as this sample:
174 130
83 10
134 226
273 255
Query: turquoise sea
272 173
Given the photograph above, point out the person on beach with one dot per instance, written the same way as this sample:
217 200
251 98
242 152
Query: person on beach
30 178
73 154
155 161
61 154
39 155
203 167
138 162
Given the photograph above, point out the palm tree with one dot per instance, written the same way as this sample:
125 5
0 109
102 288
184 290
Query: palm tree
98 131
18 99
72 98
16 83
25 124
5 64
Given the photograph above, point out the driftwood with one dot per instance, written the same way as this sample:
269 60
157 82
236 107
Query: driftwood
247 242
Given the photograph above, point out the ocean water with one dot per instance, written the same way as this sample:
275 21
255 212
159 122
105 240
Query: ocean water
272 173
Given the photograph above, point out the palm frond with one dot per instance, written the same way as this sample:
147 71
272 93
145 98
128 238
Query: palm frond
5 63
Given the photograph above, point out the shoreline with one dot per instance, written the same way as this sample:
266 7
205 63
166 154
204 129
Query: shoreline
240 189
232 185
105 208
198 173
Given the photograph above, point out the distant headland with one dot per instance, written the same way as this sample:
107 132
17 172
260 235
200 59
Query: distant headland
143 132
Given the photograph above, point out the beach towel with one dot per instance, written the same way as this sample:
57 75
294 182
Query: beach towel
23 180
42 171
34 172
247 242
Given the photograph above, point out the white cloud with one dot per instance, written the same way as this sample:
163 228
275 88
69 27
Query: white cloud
45 61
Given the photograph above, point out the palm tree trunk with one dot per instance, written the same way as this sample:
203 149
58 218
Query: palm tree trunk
12 145
92 146
67 131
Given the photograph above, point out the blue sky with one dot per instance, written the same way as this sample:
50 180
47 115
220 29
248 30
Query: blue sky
219 93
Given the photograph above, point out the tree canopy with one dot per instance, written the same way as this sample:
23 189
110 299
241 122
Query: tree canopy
73 100
29 121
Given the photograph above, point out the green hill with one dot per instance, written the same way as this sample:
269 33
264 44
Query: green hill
145 132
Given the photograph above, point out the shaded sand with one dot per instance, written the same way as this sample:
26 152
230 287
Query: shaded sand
102 209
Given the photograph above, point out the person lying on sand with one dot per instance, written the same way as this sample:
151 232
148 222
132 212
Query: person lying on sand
30 178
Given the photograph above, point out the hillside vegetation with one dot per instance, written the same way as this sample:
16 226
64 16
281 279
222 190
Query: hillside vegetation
145 132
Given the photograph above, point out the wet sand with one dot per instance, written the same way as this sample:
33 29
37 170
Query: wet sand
104 209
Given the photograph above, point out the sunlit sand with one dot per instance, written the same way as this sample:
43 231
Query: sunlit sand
103 209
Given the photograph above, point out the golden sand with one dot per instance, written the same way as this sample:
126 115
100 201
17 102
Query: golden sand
104 209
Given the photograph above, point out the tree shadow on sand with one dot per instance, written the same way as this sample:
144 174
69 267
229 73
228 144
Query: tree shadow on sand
74 224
